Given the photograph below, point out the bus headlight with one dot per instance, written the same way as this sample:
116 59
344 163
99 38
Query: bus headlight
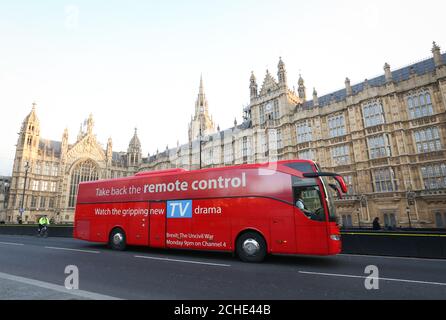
335 237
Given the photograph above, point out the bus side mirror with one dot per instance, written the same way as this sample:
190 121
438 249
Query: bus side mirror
338 191
342 184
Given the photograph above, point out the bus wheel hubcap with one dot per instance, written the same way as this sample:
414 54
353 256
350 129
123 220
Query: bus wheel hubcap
251 247
117 238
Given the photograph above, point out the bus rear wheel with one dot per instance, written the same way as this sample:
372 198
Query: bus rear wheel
118 240
251 247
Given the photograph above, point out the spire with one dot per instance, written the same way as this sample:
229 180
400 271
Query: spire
201 84
134 142
90 124
81 133
436 50
201 106
201 121
65 136
109 151
32 116
30 132
134 153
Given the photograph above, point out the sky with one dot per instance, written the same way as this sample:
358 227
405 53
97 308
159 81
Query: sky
137 63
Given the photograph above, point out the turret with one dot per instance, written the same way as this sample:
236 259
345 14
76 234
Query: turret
315 98
302 90
348 87
30 132
281 73
388 73
134 154
109 150
437 55
253 88
64 146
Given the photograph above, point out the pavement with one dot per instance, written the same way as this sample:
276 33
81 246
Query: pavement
34 268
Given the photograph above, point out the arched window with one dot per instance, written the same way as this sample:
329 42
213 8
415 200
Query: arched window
386 220
420 104
82 172
349 221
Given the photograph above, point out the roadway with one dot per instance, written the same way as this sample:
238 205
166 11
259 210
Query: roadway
34 268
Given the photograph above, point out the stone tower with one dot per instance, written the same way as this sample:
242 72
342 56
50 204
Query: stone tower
201 118
281 74
302 90
29 137
134 153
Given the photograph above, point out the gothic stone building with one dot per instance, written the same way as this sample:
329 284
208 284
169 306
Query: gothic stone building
386 136
52 170
5 183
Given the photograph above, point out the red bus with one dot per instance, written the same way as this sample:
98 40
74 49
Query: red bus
253 210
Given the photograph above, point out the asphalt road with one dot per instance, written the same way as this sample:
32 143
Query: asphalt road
34 268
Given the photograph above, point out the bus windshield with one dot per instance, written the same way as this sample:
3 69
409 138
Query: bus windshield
308 198
311 196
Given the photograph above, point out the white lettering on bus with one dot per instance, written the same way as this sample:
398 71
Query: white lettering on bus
196 185
220 183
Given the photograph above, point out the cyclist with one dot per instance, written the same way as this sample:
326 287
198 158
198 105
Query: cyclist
43 221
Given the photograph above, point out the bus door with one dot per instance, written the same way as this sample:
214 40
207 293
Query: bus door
157 227
138 223
310 216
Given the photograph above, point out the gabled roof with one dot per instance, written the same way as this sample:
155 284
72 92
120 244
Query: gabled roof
51 146
268 84
403 74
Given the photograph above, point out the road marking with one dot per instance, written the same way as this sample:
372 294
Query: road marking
368 277
390 257
75 250
54 287
12 244
184 261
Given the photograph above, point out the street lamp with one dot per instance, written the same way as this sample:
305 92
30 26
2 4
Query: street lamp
359 218
22 209
199 137
408 216
201 133
410 202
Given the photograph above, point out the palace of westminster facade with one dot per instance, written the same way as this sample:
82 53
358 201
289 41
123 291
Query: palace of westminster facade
386 136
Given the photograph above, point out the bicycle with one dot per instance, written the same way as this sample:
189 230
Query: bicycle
43 232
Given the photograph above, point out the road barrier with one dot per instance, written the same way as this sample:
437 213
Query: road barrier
61 231
402 243
414 244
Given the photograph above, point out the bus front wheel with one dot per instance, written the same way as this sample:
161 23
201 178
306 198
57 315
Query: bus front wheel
117 240
251 247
